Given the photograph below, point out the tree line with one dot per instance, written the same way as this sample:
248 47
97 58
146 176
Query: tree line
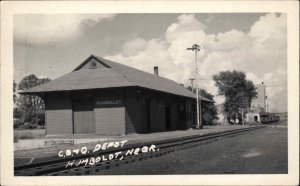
238 93
29 110
208 109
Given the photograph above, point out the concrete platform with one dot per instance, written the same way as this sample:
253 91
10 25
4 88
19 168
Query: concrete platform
29 156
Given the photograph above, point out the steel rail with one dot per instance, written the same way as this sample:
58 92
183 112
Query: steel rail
58 166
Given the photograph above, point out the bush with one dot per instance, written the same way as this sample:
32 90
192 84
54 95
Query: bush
41 117
17 113
22 127
32 125
17 122
28 125
34 120
40 127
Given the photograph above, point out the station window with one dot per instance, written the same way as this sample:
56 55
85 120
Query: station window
93 64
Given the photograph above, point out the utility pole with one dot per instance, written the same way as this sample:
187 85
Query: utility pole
196 48
36 110
267 109
243 116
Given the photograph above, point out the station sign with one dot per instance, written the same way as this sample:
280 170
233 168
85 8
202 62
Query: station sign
108 102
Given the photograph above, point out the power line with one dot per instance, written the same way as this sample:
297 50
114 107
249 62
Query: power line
268 86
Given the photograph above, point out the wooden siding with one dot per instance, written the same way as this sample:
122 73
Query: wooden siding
83 112
157 115
182 123
129 124
83 117
118 111
134 121
189 112
58 115
160 105
174 116
110 121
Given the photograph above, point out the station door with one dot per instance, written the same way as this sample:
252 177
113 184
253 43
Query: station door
83 119
83 116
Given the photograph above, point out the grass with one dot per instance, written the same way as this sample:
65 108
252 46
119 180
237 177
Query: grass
28 134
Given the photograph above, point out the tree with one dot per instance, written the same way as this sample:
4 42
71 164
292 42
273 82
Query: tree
209 110
238 92
32 106
15 93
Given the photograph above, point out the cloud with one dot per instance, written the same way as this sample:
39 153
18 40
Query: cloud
209 18
270 29
261 54
47 29
132 48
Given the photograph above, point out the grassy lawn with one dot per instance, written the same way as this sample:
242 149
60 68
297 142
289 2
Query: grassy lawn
28 134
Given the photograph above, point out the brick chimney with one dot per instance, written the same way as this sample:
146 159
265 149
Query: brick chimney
156 70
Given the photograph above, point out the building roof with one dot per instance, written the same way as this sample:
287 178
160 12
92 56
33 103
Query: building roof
113 75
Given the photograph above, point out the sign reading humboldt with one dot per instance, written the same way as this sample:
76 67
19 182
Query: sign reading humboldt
109 101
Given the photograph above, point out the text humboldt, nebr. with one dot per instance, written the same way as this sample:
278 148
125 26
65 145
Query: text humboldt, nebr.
120 155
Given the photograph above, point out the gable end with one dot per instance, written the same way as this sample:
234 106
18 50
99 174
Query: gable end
91 63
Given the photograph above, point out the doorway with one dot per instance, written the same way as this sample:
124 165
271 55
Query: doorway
168 118
255 118
83 115
148 111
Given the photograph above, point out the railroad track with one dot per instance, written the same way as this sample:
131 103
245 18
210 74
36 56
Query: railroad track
57 167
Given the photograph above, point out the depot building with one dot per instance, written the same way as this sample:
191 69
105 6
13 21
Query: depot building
104 97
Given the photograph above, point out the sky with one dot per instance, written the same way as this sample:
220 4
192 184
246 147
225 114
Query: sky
51 45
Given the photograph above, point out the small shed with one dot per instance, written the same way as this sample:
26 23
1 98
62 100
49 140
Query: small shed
104 97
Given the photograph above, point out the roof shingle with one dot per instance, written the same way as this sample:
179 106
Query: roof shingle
117 75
